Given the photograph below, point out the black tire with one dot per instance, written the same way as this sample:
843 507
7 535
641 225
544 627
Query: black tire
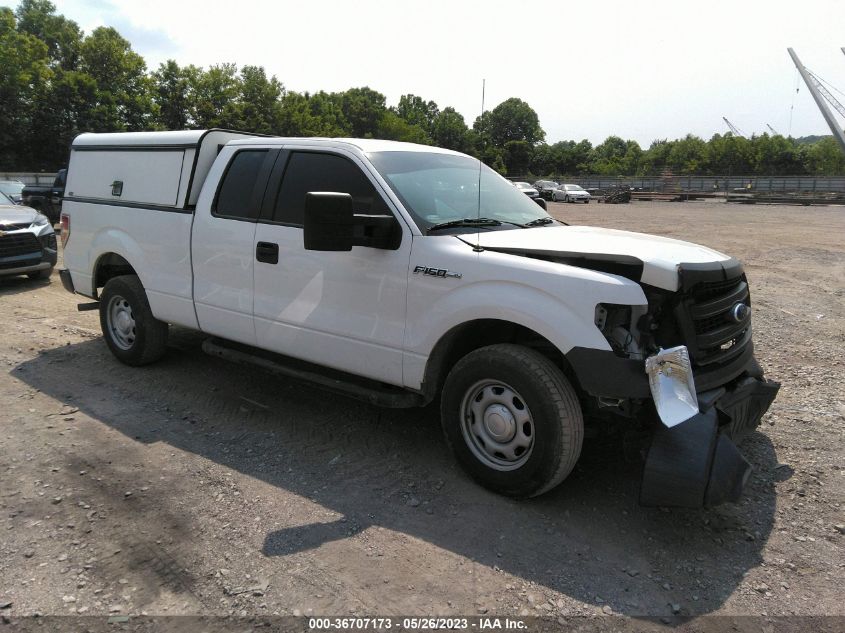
556 422
41 274
145 341
566 199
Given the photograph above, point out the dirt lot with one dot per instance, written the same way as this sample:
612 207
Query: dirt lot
194 486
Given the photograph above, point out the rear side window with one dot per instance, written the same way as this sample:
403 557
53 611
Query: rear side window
238 197
310 171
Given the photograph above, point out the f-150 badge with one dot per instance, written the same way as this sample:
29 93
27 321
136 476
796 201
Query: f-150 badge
436 272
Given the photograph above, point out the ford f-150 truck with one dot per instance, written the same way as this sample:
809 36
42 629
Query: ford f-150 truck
399 274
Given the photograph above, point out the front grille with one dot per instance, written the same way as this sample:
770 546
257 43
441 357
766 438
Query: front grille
14 226
18 250
718 335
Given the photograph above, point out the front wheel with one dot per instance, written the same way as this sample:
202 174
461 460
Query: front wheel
566 199
512 420
131 331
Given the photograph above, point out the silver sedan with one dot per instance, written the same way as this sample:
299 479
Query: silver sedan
571 193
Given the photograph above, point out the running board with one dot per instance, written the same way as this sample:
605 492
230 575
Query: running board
322 377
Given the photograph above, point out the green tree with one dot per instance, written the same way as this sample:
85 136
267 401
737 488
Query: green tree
656 158
776 155
124 90
450 131
174 92
217 93
395 128
824 158
417 111
259 106
511 120
363 108
688 155
517 156
608 158
319 114
63 37
24 74
729 154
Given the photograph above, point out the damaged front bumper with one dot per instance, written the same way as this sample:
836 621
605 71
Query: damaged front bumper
695 462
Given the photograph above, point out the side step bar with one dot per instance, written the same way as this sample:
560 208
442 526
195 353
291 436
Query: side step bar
331 380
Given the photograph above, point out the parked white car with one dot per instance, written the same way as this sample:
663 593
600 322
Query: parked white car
571 193
12 189
405 273
27 241
527 189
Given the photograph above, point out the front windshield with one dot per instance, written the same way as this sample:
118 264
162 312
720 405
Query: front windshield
573 188
437 188
4 199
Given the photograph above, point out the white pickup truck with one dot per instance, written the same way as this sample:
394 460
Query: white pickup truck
401 273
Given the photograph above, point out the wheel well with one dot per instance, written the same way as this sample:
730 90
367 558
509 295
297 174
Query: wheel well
470 336
108 266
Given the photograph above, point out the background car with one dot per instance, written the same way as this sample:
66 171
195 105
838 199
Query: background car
546 188
12 189
527 189
27 241
571 193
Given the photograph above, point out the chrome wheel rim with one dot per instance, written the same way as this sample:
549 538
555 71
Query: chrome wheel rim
497 425
120 322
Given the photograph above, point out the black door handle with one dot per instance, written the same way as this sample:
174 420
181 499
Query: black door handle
267 252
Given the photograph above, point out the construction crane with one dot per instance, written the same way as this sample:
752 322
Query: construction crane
733 128
772 130
826 94
814 86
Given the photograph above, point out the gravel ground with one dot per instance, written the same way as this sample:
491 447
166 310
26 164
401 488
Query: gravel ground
194 486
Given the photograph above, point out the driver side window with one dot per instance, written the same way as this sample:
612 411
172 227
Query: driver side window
314 171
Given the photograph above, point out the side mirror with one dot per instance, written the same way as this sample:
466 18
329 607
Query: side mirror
331 225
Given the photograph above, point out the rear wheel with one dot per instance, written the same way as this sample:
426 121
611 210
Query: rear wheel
512 420
131 331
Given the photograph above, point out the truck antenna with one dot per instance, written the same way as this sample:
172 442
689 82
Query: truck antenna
480 164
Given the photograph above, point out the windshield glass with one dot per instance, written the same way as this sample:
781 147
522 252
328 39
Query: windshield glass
4 199
573 188
438 188
11 188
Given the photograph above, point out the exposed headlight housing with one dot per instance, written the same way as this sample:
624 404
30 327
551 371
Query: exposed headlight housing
40 220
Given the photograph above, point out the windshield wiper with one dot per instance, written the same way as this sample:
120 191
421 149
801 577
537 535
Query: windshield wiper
540 221
481 222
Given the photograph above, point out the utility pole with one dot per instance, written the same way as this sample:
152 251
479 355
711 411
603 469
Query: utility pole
811 82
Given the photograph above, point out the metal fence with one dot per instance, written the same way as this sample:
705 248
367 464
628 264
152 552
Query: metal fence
29 177
764 184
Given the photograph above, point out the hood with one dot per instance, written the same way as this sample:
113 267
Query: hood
13 214
644 258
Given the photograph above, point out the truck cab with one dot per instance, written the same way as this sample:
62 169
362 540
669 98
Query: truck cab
400 274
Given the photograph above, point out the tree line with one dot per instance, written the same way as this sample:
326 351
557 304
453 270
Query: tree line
56 82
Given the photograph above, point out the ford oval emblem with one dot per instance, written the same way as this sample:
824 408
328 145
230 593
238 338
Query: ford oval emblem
740 312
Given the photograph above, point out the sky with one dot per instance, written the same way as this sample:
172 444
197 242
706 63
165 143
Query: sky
640 70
